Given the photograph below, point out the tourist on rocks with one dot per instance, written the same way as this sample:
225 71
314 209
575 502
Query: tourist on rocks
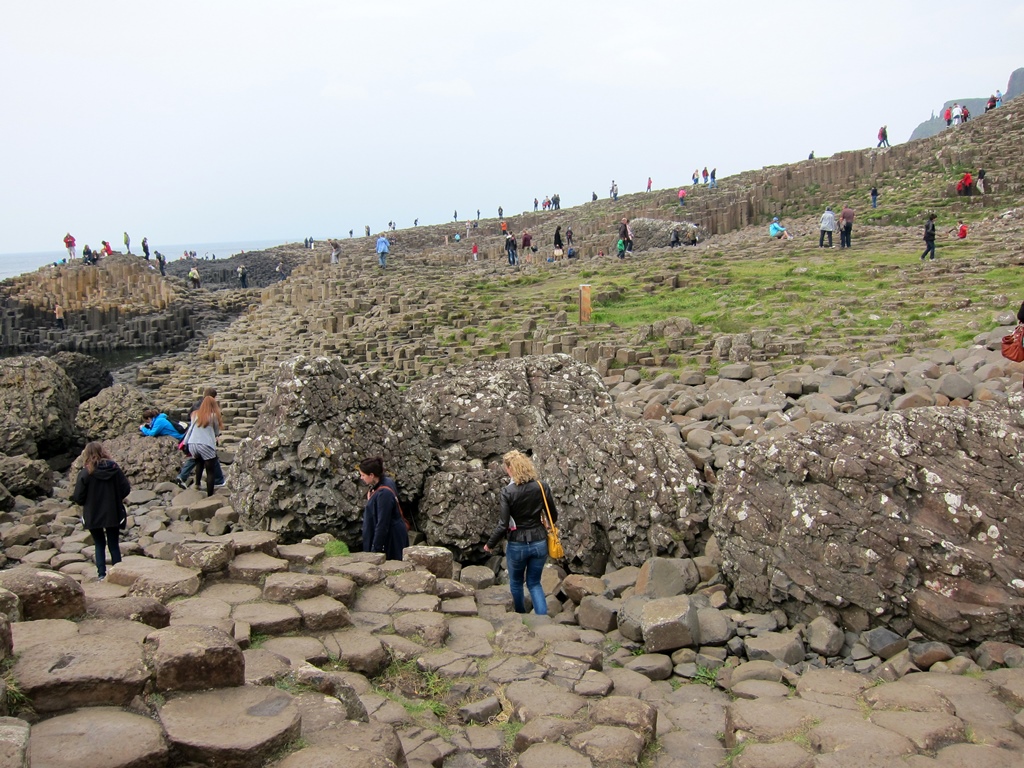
713 182
478 214
965 114
335 249
305 243
558 240
959 231
161 261
351 235
682 197
568 236
156 424
69 243
127 243
674 242
186 470
958 113
991 103
87 254
145 247
243 275
626 235
827 225
501 211
523 521
58 314
776 230
367 230
528 248
883 136
704 174
929 237
696 177
100 490
556 200
201 439
845 227
475 251
382 251
312 244
980 183
384 526
874 197
968 181
536 202
620 248
811 156
948 116
510 249
593 197
106 248
650 181
455 215
193 275
999 98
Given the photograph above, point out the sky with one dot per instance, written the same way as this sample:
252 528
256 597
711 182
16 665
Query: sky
251 120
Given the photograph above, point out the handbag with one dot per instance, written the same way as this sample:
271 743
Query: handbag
555 548
183 445
558 251
1013 345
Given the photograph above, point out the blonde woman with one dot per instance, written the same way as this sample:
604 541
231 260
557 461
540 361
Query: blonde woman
100 489
523 521
202 442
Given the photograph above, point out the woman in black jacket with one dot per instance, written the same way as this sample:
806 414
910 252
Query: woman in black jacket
100 490
558 237
523 521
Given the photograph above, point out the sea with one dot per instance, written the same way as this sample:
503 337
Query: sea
13 264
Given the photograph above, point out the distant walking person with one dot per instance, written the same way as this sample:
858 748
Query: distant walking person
846 227
335 249
713 183
475 251
193 275
649 183
568 237
127 243
58 313
827 225
980 183
382 251
69 243
145 247
511 250
682 197
874 197
101 489
883 136
704 174
243 275
929 237
367 230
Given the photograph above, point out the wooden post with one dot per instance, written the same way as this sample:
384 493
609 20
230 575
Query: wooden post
584 304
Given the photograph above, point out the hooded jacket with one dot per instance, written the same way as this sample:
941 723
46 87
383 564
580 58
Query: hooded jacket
101 495
828 222
161 426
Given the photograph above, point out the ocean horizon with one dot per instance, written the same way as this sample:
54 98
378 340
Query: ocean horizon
14 264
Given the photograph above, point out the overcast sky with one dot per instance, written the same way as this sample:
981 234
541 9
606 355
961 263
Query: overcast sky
224 121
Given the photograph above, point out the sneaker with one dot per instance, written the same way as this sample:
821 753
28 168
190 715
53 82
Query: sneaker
181 482
221 484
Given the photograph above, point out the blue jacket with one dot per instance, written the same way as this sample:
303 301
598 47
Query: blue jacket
161 426
382 244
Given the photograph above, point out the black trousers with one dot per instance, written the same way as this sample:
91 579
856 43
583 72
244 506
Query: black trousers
106 538
212 467
821 240
844 235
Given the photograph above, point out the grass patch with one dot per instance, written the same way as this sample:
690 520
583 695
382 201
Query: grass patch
17 701
257 640
511 729
706 676
416 690
336 549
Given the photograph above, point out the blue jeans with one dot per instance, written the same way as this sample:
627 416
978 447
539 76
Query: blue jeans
874 201
526 562
382 259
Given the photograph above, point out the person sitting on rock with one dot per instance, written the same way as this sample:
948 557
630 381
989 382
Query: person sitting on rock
776 230
157 424
960 230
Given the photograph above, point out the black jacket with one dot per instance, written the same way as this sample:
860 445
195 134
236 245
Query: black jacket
929 231
101 494
522 510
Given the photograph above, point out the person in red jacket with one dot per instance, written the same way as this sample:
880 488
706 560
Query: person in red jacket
476 251
69 243
968 181
948 116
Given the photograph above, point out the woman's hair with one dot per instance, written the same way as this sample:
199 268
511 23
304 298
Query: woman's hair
558 228
374 465
150 413
93 454
519 467
208 410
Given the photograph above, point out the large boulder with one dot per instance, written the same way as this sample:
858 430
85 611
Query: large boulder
912 514
88 373
114 412
27 477
37 407
297 473
623 492
146 461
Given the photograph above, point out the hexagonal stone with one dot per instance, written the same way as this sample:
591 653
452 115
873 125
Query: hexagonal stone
376 599
81 672
431 628
538 698
438 560
322 614
203 611
666 577
268 618
97 737
609 745
254 566
477 576
759 689
192 658
300 554
25 634
883 642
824 637
654 666
775 646
289 587
154 578
417 603
363 574
298 650
44 594
232 593
206 556
638 716
578 585
783 754
147 610
360 650
264 667
669 623
230 727
598 612
902 696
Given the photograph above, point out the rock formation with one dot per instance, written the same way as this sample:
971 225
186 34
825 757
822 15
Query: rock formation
88 373
37 407
887 519
115 411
